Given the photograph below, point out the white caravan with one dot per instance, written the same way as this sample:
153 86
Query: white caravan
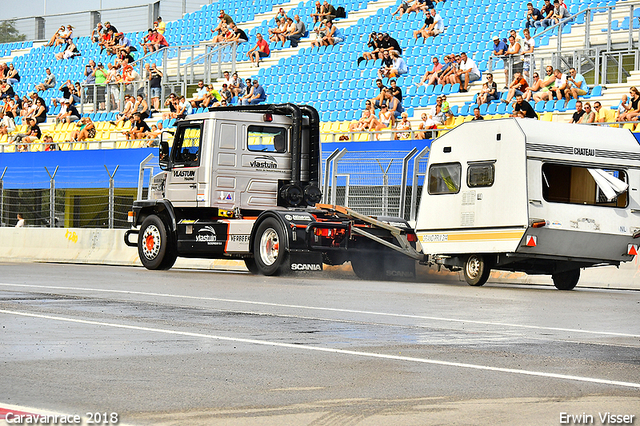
531 196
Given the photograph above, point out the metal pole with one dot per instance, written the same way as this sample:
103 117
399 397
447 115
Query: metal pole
2 195
111 194
403 185
414 183
587 29
327 166
52 196
385 187
334 178
143 166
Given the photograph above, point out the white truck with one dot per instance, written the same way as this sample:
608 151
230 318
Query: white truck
531 196
243 183
512 194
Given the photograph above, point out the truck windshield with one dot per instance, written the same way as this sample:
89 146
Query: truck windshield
186 145
584 185
267 139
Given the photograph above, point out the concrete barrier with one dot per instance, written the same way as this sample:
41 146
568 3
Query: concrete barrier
107 247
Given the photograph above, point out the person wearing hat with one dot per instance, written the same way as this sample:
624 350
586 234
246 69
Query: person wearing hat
68 113
499 46
161 25
223 18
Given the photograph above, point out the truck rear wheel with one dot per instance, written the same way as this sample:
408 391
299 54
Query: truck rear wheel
566 280
155 247
476 270
270 248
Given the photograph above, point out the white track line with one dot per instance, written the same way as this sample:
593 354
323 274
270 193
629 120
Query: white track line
351 311
333 350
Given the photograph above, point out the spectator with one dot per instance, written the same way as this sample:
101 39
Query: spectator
403 124
256 96
589 115
533 16
374 43
290 28
391 44
560 12
450 71
528 44
523 109
445 106
7 125
437 27
86 130
68 113
139 130
396 92
146 41
333 36
476 114
402 9
260 50
153 135
547 14
377 101
387 64
20 223
499 46
49 145
238 36
223 18
49 82
40 112
67 35
393 104
577 85
159 42
421 5
90 78
437 66
386 117
603 115
172 103
299 32
101 84
155 85
545 93
141 107
71 51
31 135
424 30
56 39
281 14
236 86
127 111
436 114
398 66
426 124
212 97
96 33
107 41
468 72
327 12
279 29
532 90
517 87
110 27
67 92
513 56
225 95
560 84
12 76
577 116
632 109
489 91
317 13
199 95
161 27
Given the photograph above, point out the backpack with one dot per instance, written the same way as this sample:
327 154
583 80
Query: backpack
340 12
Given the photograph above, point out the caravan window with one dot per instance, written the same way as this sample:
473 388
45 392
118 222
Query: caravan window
479 175
585 185
444 178
267 139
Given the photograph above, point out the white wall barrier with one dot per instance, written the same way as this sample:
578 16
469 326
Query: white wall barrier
107 247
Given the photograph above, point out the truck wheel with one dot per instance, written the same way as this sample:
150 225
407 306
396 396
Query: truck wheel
270 248
566 280
155 248
367 268
250 263
476 270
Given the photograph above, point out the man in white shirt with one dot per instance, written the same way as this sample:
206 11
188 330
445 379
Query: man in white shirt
528 44
561 84
20 223
198 97
437 27
468 72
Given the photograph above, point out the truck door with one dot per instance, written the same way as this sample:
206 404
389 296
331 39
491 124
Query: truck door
182 185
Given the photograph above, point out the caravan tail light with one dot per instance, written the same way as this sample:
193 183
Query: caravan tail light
268 117
412 238
538 224
632 249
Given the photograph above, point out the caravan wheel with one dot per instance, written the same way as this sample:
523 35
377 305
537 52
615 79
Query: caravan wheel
566 280
476 270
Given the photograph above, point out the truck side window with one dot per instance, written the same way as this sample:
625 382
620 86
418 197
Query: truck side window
479 175
584 185
186 145
267 139
444 178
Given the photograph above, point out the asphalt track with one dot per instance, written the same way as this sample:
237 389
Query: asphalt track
228 348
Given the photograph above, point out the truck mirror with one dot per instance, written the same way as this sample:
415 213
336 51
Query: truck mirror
163 155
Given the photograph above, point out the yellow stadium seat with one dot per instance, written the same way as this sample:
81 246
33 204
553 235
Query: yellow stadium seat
629 126
3 138
100 125
459 120
325 127
36 146
488 117
547 116
361 137
325 137
334 126
344 126
122 144
10 148
65 146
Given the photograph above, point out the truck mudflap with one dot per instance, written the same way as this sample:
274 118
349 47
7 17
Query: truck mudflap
401 235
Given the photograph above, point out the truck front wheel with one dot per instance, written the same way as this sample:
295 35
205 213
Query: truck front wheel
476 270
155 247
270 248
566 280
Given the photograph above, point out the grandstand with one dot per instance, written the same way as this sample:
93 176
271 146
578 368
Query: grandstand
330 79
